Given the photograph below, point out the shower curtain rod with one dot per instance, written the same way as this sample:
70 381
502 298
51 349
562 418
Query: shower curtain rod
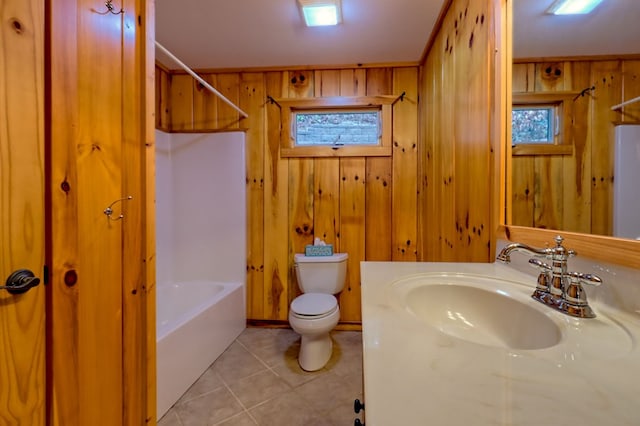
201 80
630 101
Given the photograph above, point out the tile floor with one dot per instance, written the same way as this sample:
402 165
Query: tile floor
257 381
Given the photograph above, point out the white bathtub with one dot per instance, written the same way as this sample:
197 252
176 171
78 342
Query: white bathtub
195 322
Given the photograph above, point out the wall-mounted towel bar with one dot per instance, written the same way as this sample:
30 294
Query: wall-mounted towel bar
201 80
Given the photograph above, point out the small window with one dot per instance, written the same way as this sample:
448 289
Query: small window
534 124
336 126
541 123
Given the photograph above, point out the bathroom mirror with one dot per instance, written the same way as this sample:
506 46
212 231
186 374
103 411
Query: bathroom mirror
542 43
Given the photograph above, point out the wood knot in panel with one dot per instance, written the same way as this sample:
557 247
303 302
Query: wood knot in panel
65 186
70 278
304 230
552 71
16 25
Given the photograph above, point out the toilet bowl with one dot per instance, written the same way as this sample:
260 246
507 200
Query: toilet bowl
313 316
315 313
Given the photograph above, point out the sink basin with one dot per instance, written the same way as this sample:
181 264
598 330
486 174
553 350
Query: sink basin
465 344
459 306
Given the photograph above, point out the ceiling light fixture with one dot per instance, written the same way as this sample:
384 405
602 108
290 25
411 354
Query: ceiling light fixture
321 12
572 7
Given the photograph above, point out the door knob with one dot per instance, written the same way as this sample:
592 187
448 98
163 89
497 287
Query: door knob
20 281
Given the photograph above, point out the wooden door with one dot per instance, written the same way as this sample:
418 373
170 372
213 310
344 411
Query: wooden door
22 317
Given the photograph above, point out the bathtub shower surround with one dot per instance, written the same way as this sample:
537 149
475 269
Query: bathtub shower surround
201 249
201 206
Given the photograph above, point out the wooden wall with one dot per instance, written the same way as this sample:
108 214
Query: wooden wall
100 299
460 134
365 206
574 192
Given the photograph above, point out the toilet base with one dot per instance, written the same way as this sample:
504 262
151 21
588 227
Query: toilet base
315 351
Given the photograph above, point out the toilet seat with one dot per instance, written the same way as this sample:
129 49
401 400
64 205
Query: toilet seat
314 305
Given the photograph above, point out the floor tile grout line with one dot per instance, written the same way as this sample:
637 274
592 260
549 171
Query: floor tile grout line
270 368
181 401
254 355
244 409
180 423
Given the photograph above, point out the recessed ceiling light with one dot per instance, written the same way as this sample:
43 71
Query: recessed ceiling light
572 7
320 12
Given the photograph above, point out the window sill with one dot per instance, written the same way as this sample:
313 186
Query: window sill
342 151
539 149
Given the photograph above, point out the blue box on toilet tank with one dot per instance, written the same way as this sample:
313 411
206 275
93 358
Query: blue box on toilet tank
313 250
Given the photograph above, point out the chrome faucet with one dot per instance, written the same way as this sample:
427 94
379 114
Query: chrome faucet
505 253
556 287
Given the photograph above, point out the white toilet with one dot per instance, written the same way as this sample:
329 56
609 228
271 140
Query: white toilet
315 313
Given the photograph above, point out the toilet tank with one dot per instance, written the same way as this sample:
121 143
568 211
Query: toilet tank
321 274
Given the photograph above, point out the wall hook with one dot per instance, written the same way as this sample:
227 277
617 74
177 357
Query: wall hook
109 210
272 101
584 92
111 9
399 98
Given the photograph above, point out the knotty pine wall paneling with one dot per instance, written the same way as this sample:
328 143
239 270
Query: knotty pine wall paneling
365 206
351 238
607 79
138 223
302 189
86 154
181 103
378 184
574 192
252 97
631 90
269 251
576 168
456 117
100 299
404 206
162 99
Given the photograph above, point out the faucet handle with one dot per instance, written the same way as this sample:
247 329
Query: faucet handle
575 296
589 279
542 284
536 263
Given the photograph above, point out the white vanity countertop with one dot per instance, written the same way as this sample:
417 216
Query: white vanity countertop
416 374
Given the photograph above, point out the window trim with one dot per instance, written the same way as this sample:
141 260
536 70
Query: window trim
563 144
288 147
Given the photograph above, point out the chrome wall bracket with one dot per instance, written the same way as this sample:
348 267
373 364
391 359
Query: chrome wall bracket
109 210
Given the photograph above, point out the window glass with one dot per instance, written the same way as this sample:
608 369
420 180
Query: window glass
533 124
336 128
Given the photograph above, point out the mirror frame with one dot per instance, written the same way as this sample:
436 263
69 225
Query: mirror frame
613 250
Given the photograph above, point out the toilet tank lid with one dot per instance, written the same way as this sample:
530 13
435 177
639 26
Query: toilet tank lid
336 257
